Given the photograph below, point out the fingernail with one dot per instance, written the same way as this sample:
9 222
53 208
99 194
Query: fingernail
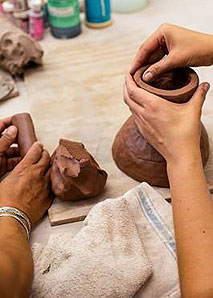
206 87
11 131
147 76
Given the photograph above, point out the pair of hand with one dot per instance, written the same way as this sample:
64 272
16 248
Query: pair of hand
27 186
171 128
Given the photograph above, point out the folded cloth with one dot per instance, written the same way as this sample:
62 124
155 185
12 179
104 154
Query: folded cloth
108 257
105 259
154 220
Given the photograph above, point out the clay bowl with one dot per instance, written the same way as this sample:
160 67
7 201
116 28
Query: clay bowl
177 85
131 152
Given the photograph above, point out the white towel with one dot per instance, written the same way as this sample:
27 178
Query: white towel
108 257
105 259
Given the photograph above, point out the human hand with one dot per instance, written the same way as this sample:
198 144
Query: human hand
172 129
9 156
28 185
170 47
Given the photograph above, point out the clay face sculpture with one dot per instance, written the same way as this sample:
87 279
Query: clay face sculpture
26 132
131 152
17 51
75 175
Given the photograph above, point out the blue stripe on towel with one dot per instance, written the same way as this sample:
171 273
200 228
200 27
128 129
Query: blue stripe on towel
157 222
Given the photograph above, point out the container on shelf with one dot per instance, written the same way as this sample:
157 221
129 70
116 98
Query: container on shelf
64 18
97 13
125 6
22 20
36 23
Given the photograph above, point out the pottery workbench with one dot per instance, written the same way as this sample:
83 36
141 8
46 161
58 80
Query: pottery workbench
77 94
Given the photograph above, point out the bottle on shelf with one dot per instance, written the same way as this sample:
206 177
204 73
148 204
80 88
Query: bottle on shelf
36 22
64 18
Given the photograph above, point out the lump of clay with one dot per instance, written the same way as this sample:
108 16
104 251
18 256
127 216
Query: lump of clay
26 132
75 175
131 152
17 51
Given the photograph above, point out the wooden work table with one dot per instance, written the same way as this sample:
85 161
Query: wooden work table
77 93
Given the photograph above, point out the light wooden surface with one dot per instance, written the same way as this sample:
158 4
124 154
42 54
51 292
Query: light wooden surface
77 95
128 31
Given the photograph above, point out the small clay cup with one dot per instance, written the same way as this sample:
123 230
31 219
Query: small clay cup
131 152
176 86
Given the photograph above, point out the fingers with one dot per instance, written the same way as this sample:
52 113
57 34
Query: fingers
133 106
44 162
199 96
12 163
145 51
8 139
34 154
4 123
139 95
165 64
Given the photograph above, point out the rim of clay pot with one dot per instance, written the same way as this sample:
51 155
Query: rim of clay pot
191 85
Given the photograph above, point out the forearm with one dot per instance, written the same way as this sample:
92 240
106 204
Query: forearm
193 221
16 265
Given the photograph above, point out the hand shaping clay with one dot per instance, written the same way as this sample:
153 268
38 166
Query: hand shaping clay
75 175
26 132
17 49
131 152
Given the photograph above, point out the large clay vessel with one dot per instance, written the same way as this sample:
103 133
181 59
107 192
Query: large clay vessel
131 152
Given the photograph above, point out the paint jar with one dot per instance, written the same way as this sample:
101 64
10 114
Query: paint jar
1 9
126 6
22 20
64 18
98 13
36 20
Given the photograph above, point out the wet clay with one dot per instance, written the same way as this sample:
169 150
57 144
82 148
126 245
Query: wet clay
132 153
26 132
75 175
17 49
176 86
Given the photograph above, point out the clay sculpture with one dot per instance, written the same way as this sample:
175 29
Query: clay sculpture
26 132
131 152
75 175
17 49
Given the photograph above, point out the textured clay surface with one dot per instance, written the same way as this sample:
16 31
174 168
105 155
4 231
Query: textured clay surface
132 153
18 51
75 175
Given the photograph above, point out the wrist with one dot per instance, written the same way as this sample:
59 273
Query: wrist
184 158
10 226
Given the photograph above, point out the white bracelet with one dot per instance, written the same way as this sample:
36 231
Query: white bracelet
18 215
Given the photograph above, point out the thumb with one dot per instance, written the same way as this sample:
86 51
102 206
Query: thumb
8 138
158 68
200 95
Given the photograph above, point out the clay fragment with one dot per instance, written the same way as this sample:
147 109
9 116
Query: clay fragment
8 88
26 132
75 175
17 49
131 152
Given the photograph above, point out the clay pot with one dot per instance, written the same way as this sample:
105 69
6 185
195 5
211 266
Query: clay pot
131 152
